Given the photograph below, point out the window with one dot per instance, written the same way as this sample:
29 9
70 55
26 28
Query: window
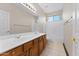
56 18
53 18
50 19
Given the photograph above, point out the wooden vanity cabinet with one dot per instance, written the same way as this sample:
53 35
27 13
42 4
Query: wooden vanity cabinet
28 48
18 51
36 47
31 48
8 53
45 41
41 44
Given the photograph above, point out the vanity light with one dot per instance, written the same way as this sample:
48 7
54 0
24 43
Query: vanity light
30 7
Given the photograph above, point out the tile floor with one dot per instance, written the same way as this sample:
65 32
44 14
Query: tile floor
54 49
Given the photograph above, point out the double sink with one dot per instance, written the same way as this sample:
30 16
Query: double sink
10 41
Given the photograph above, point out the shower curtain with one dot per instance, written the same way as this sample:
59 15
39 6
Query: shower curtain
55 30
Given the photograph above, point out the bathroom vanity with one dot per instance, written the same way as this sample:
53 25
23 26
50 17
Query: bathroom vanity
30 44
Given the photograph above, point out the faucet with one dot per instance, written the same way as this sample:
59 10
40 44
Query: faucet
18 36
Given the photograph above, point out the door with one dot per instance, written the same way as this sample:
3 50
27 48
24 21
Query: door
68 37
69 17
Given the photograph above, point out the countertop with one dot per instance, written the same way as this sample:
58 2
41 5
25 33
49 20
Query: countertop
8 42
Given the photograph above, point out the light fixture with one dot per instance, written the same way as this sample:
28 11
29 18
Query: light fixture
30 7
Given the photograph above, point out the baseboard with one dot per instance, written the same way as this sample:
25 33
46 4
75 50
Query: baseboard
67 54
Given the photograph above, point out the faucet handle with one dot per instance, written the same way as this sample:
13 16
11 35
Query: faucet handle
18 36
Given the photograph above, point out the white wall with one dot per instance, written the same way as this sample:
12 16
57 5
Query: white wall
41 20
40 12
67 11
77 18
76 28
20 21
59 12
39 25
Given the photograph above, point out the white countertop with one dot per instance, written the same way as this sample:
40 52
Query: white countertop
11 41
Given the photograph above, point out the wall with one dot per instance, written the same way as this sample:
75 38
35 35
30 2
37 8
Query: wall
76 28
59 12
77 18
40 12
67 11
41 24
41 20
20 21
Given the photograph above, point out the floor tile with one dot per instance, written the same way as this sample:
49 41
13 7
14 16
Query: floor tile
54 49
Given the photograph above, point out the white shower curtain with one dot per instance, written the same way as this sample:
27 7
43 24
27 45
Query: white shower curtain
54 31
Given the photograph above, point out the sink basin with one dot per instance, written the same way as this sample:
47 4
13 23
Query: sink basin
8 37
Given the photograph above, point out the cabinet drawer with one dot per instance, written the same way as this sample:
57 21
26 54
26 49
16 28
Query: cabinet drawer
18 51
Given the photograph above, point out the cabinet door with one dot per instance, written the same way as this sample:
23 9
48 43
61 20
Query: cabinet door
28 48
41 45
18 51
30 51
35 50
44 37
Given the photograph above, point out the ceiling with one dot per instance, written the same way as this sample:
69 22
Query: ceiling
51 7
